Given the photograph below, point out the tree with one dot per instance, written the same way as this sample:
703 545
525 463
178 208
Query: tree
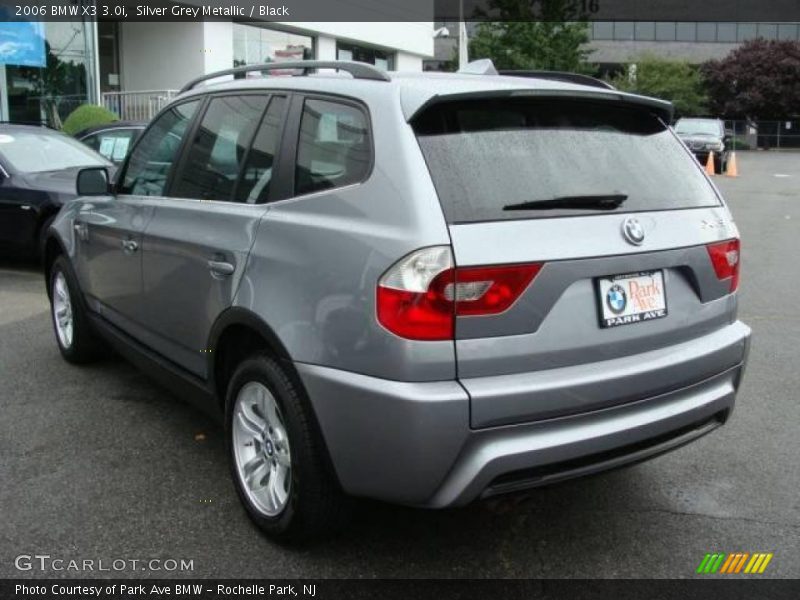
676 81
534 34
759 80
86 116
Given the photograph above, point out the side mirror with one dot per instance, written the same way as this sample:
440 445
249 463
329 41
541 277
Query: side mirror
93 181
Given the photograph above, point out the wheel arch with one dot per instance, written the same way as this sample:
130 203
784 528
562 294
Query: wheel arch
254 335
44 219
52 249
237 323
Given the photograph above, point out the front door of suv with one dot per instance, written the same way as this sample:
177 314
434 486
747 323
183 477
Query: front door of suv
110 230
197 242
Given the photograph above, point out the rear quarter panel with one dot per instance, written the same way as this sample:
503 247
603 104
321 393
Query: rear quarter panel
313 270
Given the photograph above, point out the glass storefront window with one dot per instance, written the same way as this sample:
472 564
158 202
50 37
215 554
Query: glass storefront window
645 31
746 31
693 31
686 32
768 31
787 31
706 32
48 94
665 32
726 32
623 30
108 55
603 30
253 45
379 58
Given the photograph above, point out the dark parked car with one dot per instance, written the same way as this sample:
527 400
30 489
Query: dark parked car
38 167
113 140
702 136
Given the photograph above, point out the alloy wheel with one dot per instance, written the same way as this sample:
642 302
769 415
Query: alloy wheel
261 449
62 310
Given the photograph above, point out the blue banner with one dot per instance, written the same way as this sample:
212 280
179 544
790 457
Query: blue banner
22 43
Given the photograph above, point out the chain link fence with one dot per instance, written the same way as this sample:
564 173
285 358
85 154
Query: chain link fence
764 135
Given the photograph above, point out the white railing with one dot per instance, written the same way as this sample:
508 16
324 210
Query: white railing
137 106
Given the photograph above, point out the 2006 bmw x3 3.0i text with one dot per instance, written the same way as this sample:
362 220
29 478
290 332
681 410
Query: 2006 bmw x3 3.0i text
420 288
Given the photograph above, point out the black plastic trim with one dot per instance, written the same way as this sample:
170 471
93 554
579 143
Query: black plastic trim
622 456
176 379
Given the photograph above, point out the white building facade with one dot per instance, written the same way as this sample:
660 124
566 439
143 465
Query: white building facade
134 67
167 55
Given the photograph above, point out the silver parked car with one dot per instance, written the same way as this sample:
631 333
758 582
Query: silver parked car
421 288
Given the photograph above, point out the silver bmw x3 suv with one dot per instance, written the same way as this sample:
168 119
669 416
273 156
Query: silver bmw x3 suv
420 288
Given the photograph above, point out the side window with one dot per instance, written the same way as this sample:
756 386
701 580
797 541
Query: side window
257 175
93 141
113 145
217 152
149 164
334 147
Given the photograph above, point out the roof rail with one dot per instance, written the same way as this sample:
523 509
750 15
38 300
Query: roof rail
578 78
356 69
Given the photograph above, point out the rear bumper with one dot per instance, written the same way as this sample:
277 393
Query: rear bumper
412 443
559 392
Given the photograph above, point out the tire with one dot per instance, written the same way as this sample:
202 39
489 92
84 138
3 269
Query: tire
76 341
296 498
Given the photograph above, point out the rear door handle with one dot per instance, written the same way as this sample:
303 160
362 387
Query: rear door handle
220 268
129 246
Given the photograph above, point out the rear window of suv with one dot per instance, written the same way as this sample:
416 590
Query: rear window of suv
490 157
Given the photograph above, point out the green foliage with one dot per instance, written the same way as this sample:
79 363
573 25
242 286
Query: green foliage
676 81
760 80
535 35
87 115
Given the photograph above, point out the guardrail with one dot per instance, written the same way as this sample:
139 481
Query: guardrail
137 106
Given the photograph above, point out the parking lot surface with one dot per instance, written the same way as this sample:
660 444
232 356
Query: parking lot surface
99 463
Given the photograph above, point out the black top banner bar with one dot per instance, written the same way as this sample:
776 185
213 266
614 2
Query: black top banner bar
402 10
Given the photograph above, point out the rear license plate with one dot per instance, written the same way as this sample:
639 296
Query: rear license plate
631 298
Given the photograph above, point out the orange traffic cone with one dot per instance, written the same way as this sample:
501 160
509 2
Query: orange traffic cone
710 164
732 170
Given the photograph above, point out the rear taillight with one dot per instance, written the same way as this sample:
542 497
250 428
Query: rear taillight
420 296
726 257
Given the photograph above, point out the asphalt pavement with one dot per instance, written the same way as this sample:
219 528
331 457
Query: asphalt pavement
98 463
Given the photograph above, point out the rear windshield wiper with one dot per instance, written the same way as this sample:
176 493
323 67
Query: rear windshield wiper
596 202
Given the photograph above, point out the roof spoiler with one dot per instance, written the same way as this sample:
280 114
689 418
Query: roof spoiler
485 66
564 76
661 108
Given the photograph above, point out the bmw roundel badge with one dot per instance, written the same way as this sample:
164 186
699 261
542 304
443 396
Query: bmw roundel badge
633 231
616 299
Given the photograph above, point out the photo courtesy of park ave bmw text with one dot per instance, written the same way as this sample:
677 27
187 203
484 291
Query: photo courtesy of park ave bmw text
367 299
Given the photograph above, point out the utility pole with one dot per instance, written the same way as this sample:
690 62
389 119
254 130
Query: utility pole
463 49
